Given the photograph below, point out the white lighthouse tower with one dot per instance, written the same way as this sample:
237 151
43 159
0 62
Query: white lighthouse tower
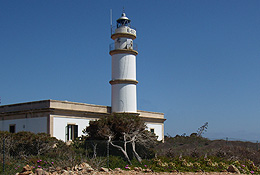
123 52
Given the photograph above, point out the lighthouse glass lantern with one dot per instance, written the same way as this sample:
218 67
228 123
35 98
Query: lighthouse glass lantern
123 52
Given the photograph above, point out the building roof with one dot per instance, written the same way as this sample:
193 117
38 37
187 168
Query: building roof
70 108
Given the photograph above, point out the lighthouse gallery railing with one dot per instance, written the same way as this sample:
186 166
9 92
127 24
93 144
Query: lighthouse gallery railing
128 47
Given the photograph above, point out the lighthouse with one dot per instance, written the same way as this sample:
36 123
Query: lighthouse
66 120
123 52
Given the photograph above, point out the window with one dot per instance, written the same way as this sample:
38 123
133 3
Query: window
12 128
71 132
152 130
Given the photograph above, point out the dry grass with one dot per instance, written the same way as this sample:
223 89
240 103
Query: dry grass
193 146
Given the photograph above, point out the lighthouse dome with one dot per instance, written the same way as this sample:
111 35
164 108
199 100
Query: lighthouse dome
123 17
123 20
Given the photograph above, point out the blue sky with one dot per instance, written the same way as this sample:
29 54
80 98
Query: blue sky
198 60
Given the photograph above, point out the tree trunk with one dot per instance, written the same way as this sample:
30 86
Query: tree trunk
95 150
121 149
136 154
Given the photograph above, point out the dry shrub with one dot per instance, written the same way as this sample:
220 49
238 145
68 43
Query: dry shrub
194 146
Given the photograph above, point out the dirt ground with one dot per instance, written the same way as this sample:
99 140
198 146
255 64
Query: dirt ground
161 173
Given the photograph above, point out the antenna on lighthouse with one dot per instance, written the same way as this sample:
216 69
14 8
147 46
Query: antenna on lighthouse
111 21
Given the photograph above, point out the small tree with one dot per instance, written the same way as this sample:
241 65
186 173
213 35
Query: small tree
128 129
202 129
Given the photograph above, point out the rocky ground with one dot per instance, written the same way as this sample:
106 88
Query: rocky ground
141 173
85 169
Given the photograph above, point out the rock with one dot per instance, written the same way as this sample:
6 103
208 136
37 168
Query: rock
52 169
89 169
67 168
103 169
26 173
84 165
147 170
40 171
76 167
233 169
55 173
118 169
64 172
138 169
128 168
27 170
58 168
72 173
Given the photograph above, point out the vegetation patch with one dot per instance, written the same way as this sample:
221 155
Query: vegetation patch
123 143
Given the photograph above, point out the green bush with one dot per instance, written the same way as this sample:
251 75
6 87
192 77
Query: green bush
116 162
37 150
182 154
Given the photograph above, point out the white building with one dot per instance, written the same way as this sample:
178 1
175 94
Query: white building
62 119
66 120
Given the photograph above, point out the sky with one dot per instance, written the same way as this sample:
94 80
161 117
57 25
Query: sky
198 60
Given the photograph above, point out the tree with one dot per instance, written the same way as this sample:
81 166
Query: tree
202 129
128 129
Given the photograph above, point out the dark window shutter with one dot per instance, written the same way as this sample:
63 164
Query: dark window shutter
75 131
67 133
